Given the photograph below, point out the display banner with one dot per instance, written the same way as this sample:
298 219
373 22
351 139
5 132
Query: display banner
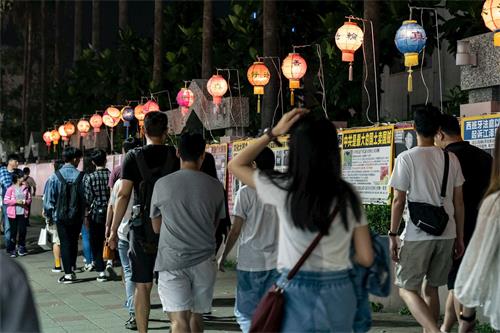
480 131
219 152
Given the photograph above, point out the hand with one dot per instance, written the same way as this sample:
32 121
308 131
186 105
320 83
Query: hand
459 249
394 248
113 241
288 120
221 264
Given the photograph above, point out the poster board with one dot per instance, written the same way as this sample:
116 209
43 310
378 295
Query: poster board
367 157
480 131
280 154
219 152
404 139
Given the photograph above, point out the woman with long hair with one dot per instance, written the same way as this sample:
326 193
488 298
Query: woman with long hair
477 279
321 296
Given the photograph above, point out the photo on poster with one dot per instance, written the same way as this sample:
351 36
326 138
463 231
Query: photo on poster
404 139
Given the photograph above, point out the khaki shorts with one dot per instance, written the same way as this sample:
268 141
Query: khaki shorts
52 229
188 289
429 259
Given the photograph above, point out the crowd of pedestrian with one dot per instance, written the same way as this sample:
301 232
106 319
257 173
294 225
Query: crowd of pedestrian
300 232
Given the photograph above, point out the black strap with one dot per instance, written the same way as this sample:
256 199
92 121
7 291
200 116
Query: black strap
444 185
145 171
311 247
61 178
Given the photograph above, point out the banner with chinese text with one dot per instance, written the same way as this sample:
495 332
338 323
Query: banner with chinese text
480 131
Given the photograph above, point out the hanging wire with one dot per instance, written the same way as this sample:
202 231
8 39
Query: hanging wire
279 97
161 92
366 78
439 62
422 64
321 78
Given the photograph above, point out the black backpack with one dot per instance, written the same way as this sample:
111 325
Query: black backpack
146 186
70 203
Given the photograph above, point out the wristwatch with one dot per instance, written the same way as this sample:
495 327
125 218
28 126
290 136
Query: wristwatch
392 234
269 132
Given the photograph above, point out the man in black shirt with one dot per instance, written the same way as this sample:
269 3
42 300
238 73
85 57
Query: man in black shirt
476 168
156 160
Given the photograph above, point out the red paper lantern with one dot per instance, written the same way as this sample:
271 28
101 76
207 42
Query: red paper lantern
258 75
150 106
55 136
109 121
294 67
47 138
217 87
185 99
113 112
83 127
69 128
96 122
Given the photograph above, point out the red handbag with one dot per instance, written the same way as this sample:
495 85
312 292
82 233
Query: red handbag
268 316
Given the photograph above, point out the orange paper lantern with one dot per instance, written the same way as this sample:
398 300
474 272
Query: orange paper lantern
139 113
69 128
55 136
61 131
83 127
294 67
258 75
47 138
96 122
217 87
150 106
109 121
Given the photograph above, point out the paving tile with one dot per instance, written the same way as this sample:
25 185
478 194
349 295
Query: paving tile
63 319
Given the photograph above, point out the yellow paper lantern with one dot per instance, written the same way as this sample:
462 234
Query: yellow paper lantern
491 18
55 136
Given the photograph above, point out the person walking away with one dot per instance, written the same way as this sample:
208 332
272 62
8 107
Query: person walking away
5 183
186 207
88 259
30 182
17 199
97 196
476 169
419 176
141 168
477 278
64 205
123 242
255 225
321 296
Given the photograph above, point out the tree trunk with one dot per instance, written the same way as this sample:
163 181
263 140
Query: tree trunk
157 53
122 14
371 12
271 42
57 40
208 36
96 23
77 49
43 62
27 74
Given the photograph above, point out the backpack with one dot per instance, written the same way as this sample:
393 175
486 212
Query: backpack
149 176
69 208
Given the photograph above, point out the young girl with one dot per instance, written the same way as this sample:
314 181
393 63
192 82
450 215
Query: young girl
321 297
17 198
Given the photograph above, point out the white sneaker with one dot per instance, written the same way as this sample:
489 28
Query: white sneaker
88 267
102 277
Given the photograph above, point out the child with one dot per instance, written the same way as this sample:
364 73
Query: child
17 198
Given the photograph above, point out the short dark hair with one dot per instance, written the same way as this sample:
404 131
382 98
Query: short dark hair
265 160
12 157
155 124
191 147
70 153
16 175
449 124
98 157
129 144
427 121
26 171
58 164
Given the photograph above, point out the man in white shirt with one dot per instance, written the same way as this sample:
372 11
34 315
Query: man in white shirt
418 177
256 226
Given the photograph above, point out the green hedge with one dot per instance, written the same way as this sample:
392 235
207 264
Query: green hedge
379 218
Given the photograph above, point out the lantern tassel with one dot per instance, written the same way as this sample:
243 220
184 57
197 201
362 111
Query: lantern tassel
410 80
350 72
258 104
292 98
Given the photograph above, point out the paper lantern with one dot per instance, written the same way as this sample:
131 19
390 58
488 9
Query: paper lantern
491 18
150 106
349 38
109 121
62 132
55 136
113 112
96 122
47 138
258 75
69 128
127 115
217 87
185 99
294 67
410 40
83 127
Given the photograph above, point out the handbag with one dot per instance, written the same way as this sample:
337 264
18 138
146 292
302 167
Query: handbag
429 218
43 240
268 315
107 253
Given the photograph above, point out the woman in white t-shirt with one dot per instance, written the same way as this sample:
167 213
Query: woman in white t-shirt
321 296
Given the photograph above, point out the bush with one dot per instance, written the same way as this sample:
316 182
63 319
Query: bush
379 218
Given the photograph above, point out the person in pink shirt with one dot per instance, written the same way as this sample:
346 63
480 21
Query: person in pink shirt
17 199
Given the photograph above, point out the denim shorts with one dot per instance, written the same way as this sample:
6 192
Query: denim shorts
318 302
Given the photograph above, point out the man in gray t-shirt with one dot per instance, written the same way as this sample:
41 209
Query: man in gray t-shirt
186 207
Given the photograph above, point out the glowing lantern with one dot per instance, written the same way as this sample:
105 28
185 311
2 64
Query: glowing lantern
217 87
185 98
294 67
349 38
258 75
150 106
491 18
109 121
96 122
113 112
83 127
69 128
127 115
62 133
410 40
139 114
55 136
47 139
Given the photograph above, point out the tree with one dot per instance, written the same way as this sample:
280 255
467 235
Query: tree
371 12
28 37
57 40
208 32
122 14
43 63
270 48
96 23
157 53
77 49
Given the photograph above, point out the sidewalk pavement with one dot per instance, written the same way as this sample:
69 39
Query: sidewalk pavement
91 306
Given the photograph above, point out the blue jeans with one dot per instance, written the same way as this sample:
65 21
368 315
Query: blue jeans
123 247
6 226
318 302
252 286
87 250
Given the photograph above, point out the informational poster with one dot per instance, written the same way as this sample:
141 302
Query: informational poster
404 139
280 154
234 184
480 131
219 152
367 155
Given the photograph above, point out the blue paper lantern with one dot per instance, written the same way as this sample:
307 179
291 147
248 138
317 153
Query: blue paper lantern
127 115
